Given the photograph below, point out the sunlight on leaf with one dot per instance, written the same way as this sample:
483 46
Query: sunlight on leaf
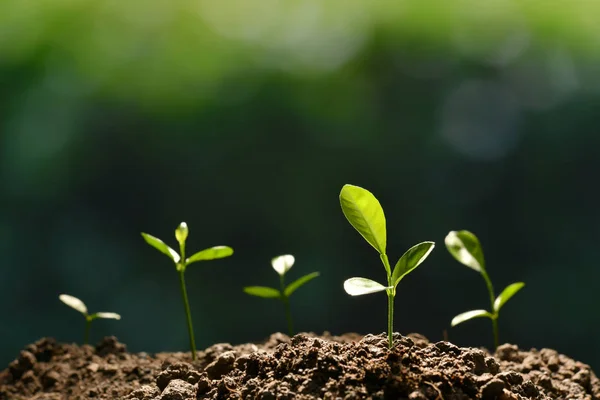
411 260
73 302
465 248
460 318
282 264
161 246
212 253
365 214
506 294
359 286
108 315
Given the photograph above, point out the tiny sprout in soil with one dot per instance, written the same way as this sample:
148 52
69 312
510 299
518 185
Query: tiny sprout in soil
466 249
78 305
281 265
365 214
181 263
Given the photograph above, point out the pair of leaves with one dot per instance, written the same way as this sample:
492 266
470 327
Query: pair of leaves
212 253
80 306
364 212
270 293
466 249
506 294
408 262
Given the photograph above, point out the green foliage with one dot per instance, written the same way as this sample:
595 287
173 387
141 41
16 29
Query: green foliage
466 249
79 305
366 215
181 263
281 265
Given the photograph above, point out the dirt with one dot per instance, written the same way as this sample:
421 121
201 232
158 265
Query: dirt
306 366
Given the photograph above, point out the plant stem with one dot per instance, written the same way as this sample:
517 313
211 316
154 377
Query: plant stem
88 324
495 328
286 304
390 319
188 313
490 289
288 314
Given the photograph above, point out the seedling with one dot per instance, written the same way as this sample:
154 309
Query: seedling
78 305
281 265
181 263
365 214
466 249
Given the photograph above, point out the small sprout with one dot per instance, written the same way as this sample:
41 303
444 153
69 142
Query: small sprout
466 249
181 263
281 265
365 214
78 305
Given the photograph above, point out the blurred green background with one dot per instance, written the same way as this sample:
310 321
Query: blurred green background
244 119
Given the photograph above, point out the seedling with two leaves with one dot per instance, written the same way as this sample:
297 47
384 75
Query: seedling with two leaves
78 305
466 249
281 265
365 214
181 264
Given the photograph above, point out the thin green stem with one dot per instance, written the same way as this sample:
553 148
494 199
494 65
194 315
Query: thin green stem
286 304
490 289
188 313
86 335
390 319
495 328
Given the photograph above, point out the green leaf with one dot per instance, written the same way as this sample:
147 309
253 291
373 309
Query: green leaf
291 288
107 315
466 249
282 264
74 303
460 318
411 260
210 254
365 214
359 286
161 246
506 294
263 291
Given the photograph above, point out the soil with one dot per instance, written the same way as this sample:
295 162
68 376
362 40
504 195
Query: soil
306 366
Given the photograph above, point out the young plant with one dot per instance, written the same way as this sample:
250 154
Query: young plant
181 264
365 214
78 305
466 249
281 265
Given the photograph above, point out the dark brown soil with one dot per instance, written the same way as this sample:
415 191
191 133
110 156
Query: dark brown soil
304 367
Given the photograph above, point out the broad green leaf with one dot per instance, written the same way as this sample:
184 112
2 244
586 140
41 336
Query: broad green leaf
411 260
161 246
210 254
263 291
465 248
358 286
365 214
460 318
74 302
282 264
291 288
506 294
107 315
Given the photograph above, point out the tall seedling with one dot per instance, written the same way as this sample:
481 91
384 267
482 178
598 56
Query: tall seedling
466 249
181 263
365 214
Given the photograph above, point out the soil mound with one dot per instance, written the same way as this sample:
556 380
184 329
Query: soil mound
306 366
